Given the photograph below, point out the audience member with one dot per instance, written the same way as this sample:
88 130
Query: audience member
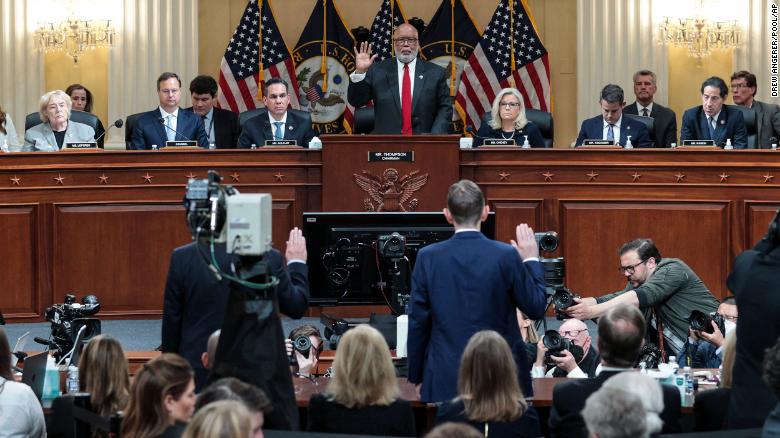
466 284
103 373
615 413
772 378
611 125
363 395
621 335
705 350
508 121
230 388
454 430
491 402
664 119
222 419
57 128
276 123
649 392
711 406
8 137
579 362
714 120
81 99
743 91
207 358
221 125
21 414
162 399
305 364
665 289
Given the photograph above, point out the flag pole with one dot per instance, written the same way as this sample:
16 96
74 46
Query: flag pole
260 54
324 62
452 48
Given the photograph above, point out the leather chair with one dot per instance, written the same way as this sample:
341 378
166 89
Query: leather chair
89 119
750 124
542 119
649 123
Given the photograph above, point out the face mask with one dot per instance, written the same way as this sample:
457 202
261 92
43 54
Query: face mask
729 326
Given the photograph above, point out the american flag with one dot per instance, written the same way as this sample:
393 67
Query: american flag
389 17
489 68
240 82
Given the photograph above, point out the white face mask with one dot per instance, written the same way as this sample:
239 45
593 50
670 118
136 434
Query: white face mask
729 326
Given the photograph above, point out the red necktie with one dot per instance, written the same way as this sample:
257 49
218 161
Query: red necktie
406 103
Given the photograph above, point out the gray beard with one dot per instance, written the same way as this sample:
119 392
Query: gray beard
407 58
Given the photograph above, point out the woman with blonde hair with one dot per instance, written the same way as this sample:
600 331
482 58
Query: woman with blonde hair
508 121
363 395
57 128
489 396
223 419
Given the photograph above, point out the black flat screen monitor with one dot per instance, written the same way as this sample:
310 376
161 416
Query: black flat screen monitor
354 258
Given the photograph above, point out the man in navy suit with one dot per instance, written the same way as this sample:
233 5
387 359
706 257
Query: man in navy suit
410 95
466 284
611 125
277 123
713 120
167 122
221 125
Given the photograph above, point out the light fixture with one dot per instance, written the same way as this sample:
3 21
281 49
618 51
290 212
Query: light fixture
699 35
74 36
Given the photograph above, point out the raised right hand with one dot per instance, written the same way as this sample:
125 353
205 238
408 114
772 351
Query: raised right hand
363 57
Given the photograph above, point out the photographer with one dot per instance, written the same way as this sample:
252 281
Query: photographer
704 349
305 362
580 360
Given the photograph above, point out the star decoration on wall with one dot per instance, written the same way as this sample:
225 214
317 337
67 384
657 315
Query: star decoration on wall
548 176
680 177
768 178
592 176
147 178
16 181
279 176
235 176
724 177
636 176
103 179
503 175
60 179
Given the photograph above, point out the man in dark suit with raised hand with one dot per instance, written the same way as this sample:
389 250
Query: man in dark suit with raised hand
665 120
277 123
167 122
714 120
743 91
410 95
466 284
611 125
221 125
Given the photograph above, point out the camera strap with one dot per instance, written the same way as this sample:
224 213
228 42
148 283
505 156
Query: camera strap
659 327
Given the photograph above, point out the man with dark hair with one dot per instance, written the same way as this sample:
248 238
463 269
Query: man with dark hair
705 350
621 335
665 120
466 284
667 290
167 123
743 91
611 125
277 122
714 120
252 397
221 125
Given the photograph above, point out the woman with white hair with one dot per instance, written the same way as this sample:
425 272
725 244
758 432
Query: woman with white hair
649 392
57 128
508 121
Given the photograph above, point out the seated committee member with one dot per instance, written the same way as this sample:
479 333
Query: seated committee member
276 123
582 361
664 119
167 122
714 120
743 91
611 125
8 135
57 128
410 95
507 121
220 124
81 98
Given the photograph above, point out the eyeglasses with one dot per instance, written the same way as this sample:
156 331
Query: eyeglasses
406 41
572 333
509 104
630 269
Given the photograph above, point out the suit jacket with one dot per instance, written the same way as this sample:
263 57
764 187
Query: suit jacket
569 400
730 124
767 123
460 286
431 102
225 128
150 129
593 129
40 138
531 130
258 129
664 125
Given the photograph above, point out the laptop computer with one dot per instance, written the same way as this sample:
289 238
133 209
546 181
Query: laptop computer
34 372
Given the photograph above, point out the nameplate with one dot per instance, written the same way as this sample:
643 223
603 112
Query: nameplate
81 145
698 142
181 144
281 143
391 156
499 142
594 142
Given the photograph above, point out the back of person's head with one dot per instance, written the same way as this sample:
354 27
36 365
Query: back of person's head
772 367
615 413
146 416
649 392
231 388
454 430
465 202
363 372
223 419
493 395
621 333
729 354
645 248
103 373
5 357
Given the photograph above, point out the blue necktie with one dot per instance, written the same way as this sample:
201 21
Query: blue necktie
710 127
610 133
169 128
278 131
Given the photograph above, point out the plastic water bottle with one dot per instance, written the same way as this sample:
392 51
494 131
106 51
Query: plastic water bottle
728 144
72 384
629 145
212 146
526 145
687 396
51 383
154 147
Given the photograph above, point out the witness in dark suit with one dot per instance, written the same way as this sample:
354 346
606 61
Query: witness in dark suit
665 120
167 122
621 334
277 123
491 401
507 120
466 284
81 99
221 125
714 120
423 106
743 91
611 125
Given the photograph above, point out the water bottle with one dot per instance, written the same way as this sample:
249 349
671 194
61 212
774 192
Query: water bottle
212 146
51 383
72 385
688 393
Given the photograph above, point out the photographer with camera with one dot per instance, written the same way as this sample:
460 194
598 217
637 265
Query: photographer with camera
706 336
304 346
566 353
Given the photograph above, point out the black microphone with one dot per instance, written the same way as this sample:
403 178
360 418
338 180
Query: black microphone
161 120
118 124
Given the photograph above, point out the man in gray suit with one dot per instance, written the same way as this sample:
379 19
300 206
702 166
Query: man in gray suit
410 95
743 91
665 121
57 128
